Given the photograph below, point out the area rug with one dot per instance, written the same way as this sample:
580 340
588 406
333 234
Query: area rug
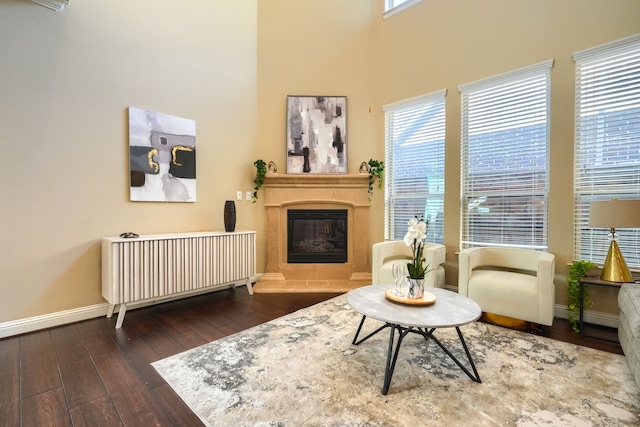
302 370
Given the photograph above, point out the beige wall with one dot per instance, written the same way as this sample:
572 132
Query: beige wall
67 78
316 48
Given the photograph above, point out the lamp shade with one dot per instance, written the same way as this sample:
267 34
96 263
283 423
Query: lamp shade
614 214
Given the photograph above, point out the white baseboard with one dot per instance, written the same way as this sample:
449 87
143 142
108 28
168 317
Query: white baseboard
36 323
593 317
30 324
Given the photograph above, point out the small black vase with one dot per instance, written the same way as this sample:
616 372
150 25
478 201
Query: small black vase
229 216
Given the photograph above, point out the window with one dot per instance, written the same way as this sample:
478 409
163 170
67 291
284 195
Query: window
391 7
504 160
414 165
607 142
390 4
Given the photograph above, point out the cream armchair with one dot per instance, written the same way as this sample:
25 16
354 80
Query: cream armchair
390 252
515 283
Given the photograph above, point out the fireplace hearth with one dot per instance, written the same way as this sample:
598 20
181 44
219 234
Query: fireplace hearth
316 236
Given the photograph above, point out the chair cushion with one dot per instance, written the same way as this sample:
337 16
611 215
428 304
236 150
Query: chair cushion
505 293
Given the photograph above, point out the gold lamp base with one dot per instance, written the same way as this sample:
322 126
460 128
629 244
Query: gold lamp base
615 268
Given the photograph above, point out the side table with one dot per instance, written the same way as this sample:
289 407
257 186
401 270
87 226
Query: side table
596 281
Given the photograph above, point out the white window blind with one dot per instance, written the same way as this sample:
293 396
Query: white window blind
414 164
607 142
504 159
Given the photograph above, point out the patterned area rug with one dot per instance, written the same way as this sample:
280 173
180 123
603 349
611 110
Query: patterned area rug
302 370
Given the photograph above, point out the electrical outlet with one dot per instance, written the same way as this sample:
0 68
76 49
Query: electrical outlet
239 195
247 195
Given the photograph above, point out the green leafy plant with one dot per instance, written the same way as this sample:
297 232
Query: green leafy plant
261 172
577 270
376 172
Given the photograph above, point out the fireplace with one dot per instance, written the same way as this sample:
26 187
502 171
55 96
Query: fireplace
347 265
316 236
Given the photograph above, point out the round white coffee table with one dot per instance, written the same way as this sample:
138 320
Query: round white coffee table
451 310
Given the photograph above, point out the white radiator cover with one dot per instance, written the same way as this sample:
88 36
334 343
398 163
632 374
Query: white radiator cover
163 265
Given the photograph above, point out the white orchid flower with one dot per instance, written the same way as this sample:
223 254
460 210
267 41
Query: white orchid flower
408 239
416 234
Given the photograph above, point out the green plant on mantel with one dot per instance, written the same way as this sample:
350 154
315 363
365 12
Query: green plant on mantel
577 270
261 172
376 171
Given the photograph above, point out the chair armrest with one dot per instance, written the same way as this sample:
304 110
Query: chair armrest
546 287
468 259
434 255
546 266
383 251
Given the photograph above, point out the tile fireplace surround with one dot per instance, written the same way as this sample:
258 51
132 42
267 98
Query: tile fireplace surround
283 192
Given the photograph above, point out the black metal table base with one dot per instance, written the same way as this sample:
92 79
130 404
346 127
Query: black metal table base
403 331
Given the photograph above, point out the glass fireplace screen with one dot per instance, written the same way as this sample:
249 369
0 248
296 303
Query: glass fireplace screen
316 236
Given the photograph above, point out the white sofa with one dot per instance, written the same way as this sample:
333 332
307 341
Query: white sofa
516 283
387 253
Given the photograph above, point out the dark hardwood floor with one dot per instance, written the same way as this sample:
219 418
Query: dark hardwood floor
90 374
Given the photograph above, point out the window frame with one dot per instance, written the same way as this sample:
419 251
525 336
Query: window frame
606 140
531 225
391 7
429 137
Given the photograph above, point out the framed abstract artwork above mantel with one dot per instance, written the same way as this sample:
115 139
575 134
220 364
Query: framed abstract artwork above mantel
316 134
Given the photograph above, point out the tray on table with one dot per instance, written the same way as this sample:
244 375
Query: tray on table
427 298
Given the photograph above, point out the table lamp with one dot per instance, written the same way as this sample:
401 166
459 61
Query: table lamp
615 214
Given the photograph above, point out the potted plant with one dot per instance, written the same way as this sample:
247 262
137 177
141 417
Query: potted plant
376 171
577 270
261 172
416 233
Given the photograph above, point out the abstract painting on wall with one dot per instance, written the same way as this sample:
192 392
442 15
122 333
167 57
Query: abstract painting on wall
162 157
316 134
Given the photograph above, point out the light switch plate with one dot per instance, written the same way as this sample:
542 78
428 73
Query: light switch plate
247 195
